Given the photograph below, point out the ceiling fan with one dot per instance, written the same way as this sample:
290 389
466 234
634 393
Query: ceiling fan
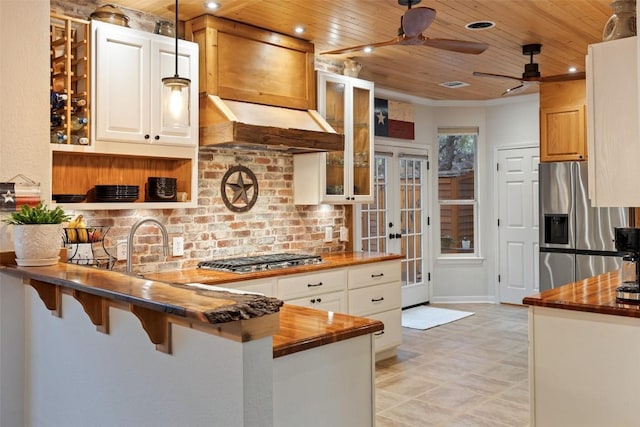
412 24
531 74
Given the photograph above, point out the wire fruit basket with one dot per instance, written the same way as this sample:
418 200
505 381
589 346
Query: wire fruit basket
85 246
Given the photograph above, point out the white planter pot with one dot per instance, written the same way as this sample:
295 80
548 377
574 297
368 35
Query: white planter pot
37 244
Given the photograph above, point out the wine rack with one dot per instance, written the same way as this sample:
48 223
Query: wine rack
70 84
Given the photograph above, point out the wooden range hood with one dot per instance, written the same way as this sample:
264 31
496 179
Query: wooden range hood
243 125
257 89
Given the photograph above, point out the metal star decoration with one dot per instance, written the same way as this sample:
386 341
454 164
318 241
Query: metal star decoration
244 191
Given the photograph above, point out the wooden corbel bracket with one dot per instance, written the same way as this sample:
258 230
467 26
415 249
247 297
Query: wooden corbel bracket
50 295
96 308
156 325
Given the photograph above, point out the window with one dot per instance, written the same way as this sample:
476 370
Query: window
457 190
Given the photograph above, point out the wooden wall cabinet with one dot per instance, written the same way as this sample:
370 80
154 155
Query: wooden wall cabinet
614 145
340 177
244 63
563 121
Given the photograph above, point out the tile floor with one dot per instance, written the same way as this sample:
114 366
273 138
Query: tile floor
471 372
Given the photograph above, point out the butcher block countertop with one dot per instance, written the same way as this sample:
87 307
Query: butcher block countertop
303 328
237 316
209 277
596 294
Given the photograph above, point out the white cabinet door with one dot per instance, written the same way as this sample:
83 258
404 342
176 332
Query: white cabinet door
612 122
333 301
163 65
121 84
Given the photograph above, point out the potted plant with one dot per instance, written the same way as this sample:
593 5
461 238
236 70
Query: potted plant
37 234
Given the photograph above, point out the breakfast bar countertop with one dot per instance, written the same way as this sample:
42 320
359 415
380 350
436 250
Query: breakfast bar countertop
596 295
293 328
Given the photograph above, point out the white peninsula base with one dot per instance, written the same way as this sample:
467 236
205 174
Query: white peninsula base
583 368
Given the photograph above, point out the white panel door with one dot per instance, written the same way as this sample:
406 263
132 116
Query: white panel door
518 223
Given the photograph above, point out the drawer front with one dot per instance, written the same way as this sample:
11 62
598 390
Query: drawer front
305 285
334 301
374 274
264 287
391 335
374 299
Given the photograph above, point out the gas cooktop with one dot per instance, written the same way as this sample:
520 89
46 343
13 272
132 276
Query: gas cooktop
250 264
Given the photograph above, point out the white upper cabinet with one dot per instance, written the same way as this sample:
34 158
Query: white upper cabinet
128 67
340 177
612 123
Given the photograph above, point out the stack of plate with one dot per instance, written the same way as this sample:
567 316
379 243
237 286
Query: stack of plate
162 189
116 193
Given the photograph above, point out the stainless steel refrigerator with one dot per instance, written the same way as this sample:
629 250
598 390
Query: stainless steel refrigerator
576 240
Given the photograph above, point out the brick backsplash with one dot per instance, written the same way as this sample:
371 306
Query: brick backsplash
274 224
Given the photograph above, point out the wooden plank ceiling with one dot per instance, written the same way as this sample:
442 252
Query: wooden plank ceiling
564 28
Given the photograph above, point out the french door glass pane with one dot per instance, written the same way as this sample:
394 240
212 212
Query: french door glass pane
411 188
374 215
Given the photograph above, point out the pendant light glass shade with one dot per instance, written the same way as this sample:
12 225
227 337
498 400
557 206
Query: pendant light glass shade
176 94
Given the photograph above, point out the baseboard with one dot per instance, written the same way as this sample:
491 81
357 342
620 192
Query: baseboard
463 299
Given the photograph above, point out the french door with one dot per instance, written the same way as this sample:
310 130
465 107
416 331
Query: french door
396 221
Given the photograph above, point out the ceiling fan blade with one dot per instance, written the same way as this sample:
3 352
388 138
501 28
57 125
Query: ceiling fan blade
460 46
395 40
513 89
500 76
416 20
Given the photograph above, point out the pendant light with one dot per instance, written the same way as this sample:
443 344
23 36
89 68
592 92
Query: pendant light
176 103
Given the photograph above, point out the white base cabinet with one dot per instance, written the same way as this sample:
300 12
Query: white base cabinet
370 290
582 368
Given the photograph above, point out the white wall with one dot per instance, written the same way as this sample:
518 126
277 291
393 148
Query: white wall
24 68
502 122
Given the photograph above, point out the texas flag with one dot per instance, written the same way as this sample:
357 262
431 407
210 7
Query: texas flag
393 119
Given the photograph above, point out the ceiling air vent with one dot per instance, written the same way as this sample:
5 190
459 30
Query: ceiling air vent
454 84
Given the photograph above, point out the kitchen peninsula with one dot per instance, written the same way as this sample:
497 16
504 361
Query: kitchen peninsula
584 347
208 371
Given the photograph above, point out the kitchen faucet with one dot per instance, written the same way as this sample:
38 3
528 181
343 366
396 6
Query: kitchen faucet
165 238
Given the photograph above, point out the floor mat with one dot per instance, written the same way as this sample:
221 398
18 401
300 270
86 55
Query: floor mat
425 317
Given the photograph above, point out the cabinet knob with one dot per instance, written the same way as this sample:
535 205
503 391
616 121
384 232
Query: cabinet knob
313 301
157 137
319 299
147 136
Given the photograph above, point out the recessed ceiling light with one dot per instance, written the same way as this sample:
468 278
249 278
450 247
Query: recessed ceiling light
480 25
211 5
299 29
368 49
572 69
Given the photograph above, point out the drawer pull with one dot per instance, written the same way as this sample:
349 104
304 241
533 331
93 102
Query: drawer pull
313 285
378 333
377 299
377 275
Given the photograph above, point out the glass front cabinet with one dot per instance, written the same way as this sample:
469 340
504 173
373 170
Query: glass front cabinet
340 177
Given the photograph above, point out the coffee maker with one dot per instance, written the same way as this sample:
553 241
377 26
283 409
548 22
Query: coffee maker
628 244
